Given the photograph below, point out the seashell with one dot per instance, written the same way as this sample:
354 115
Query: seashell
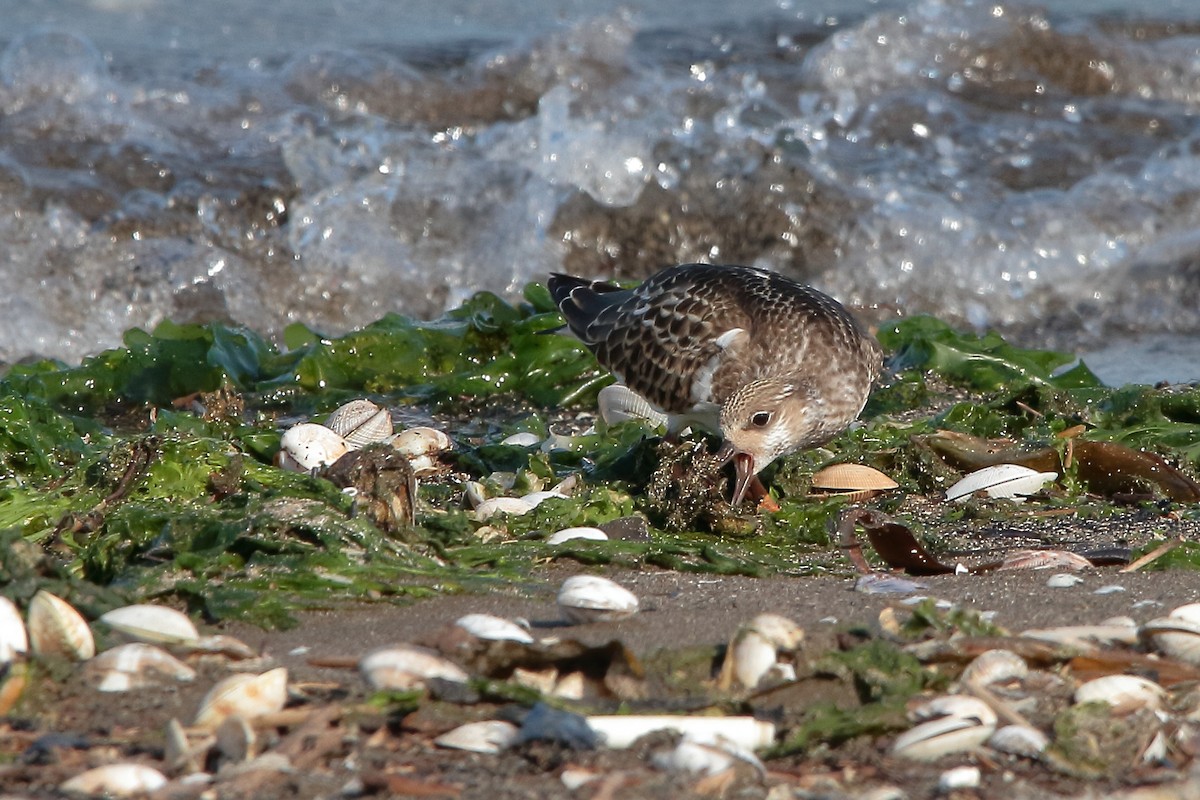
1177 634
571 686
1045 559
14 640
116 780
235 739
247 696
486 626
360 423
57 629
959 778
222 645
754 652
535 499
694 758
421 442
855 481
747 733
618 403
1010 481
407 666
1063 580
1125 693
523 439
956 723
490 736
995 666
1087 636
590 598
567 485
474 492
136 665
584 532
151 623
1019 740
307 446
501 505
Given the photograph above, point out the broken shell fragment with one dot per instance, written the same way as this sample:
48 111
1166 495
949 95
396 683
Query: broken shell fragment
523 439
57 629
490 736
151 623
1010 481
136 665
590 598
486 626
308 446
360 423
247 696
955 723
116 780
854 481
502 505
14 640
1125 693
620 731
421 441
583 532
407 666
1177 634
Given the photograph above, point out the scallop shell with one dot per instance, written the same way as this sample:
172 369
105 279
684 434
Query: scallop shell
56 628
1125 693
590 598
618 403
151 623
247 696
584 532
955 723
490 736
360 423
486 626
856 481
307 446
421 441
1177 634
622 730
407 666
116 780
135 666
14 640
1000 480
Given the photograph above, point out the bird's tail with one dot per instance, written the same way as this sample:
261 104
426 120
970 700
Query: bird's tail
581 300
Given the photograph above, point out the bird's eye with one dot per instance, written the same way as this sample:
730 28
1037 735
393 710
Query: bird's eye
760 419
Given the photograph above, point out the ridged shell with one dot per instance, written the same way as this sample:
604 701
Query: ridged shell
116 780
421 441
617 403
1177 634
959 723
622 730
486 626
247 696
57 629
1001 480
590 598
1125 693
151 623
407 666
360 423
308 446
14 640
135 666
852 478
490 736
584 532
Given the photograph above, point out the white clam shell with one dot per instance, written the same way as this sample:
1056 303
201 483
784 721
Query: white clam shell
421 441
747 733
619 403
360 423
1019 740
136 665
502 505
407 666
308 446
1177 634
959 778
995 666
523 439
1000 480
56 628
582 532
1084 636
1125 693
695 758
590 598
151 623
116 780
486 626
753 657
247 696
956 723
14 640
490 736
535 499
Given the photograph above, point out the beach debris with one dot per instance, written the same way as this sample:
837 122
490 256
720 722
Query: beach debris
14 639
994 666
1002 481
1177 634
522 439
591 598
115 780
753 655
152 623
420 446
247 696
406 666
618 403
360 423
576 533
855 482
487 626
57 629
489 736
948 724
136 665
308 446
1019 740
620 731
1124 693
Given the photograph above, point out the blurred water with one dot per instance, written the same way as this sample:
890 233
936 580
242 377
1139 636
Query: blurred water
1002 165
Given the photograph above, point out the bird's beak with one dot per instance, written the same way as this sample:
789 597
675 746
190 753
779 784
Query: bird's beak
743 465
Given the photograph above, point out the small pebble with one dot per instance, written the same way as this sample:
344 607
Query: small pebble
1063 580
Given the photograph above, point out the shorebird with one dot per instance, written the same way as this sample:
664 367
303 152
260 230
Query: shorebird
769 364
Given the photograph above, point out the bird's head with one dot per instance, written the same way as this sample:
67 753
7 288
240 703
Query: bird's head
763 421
